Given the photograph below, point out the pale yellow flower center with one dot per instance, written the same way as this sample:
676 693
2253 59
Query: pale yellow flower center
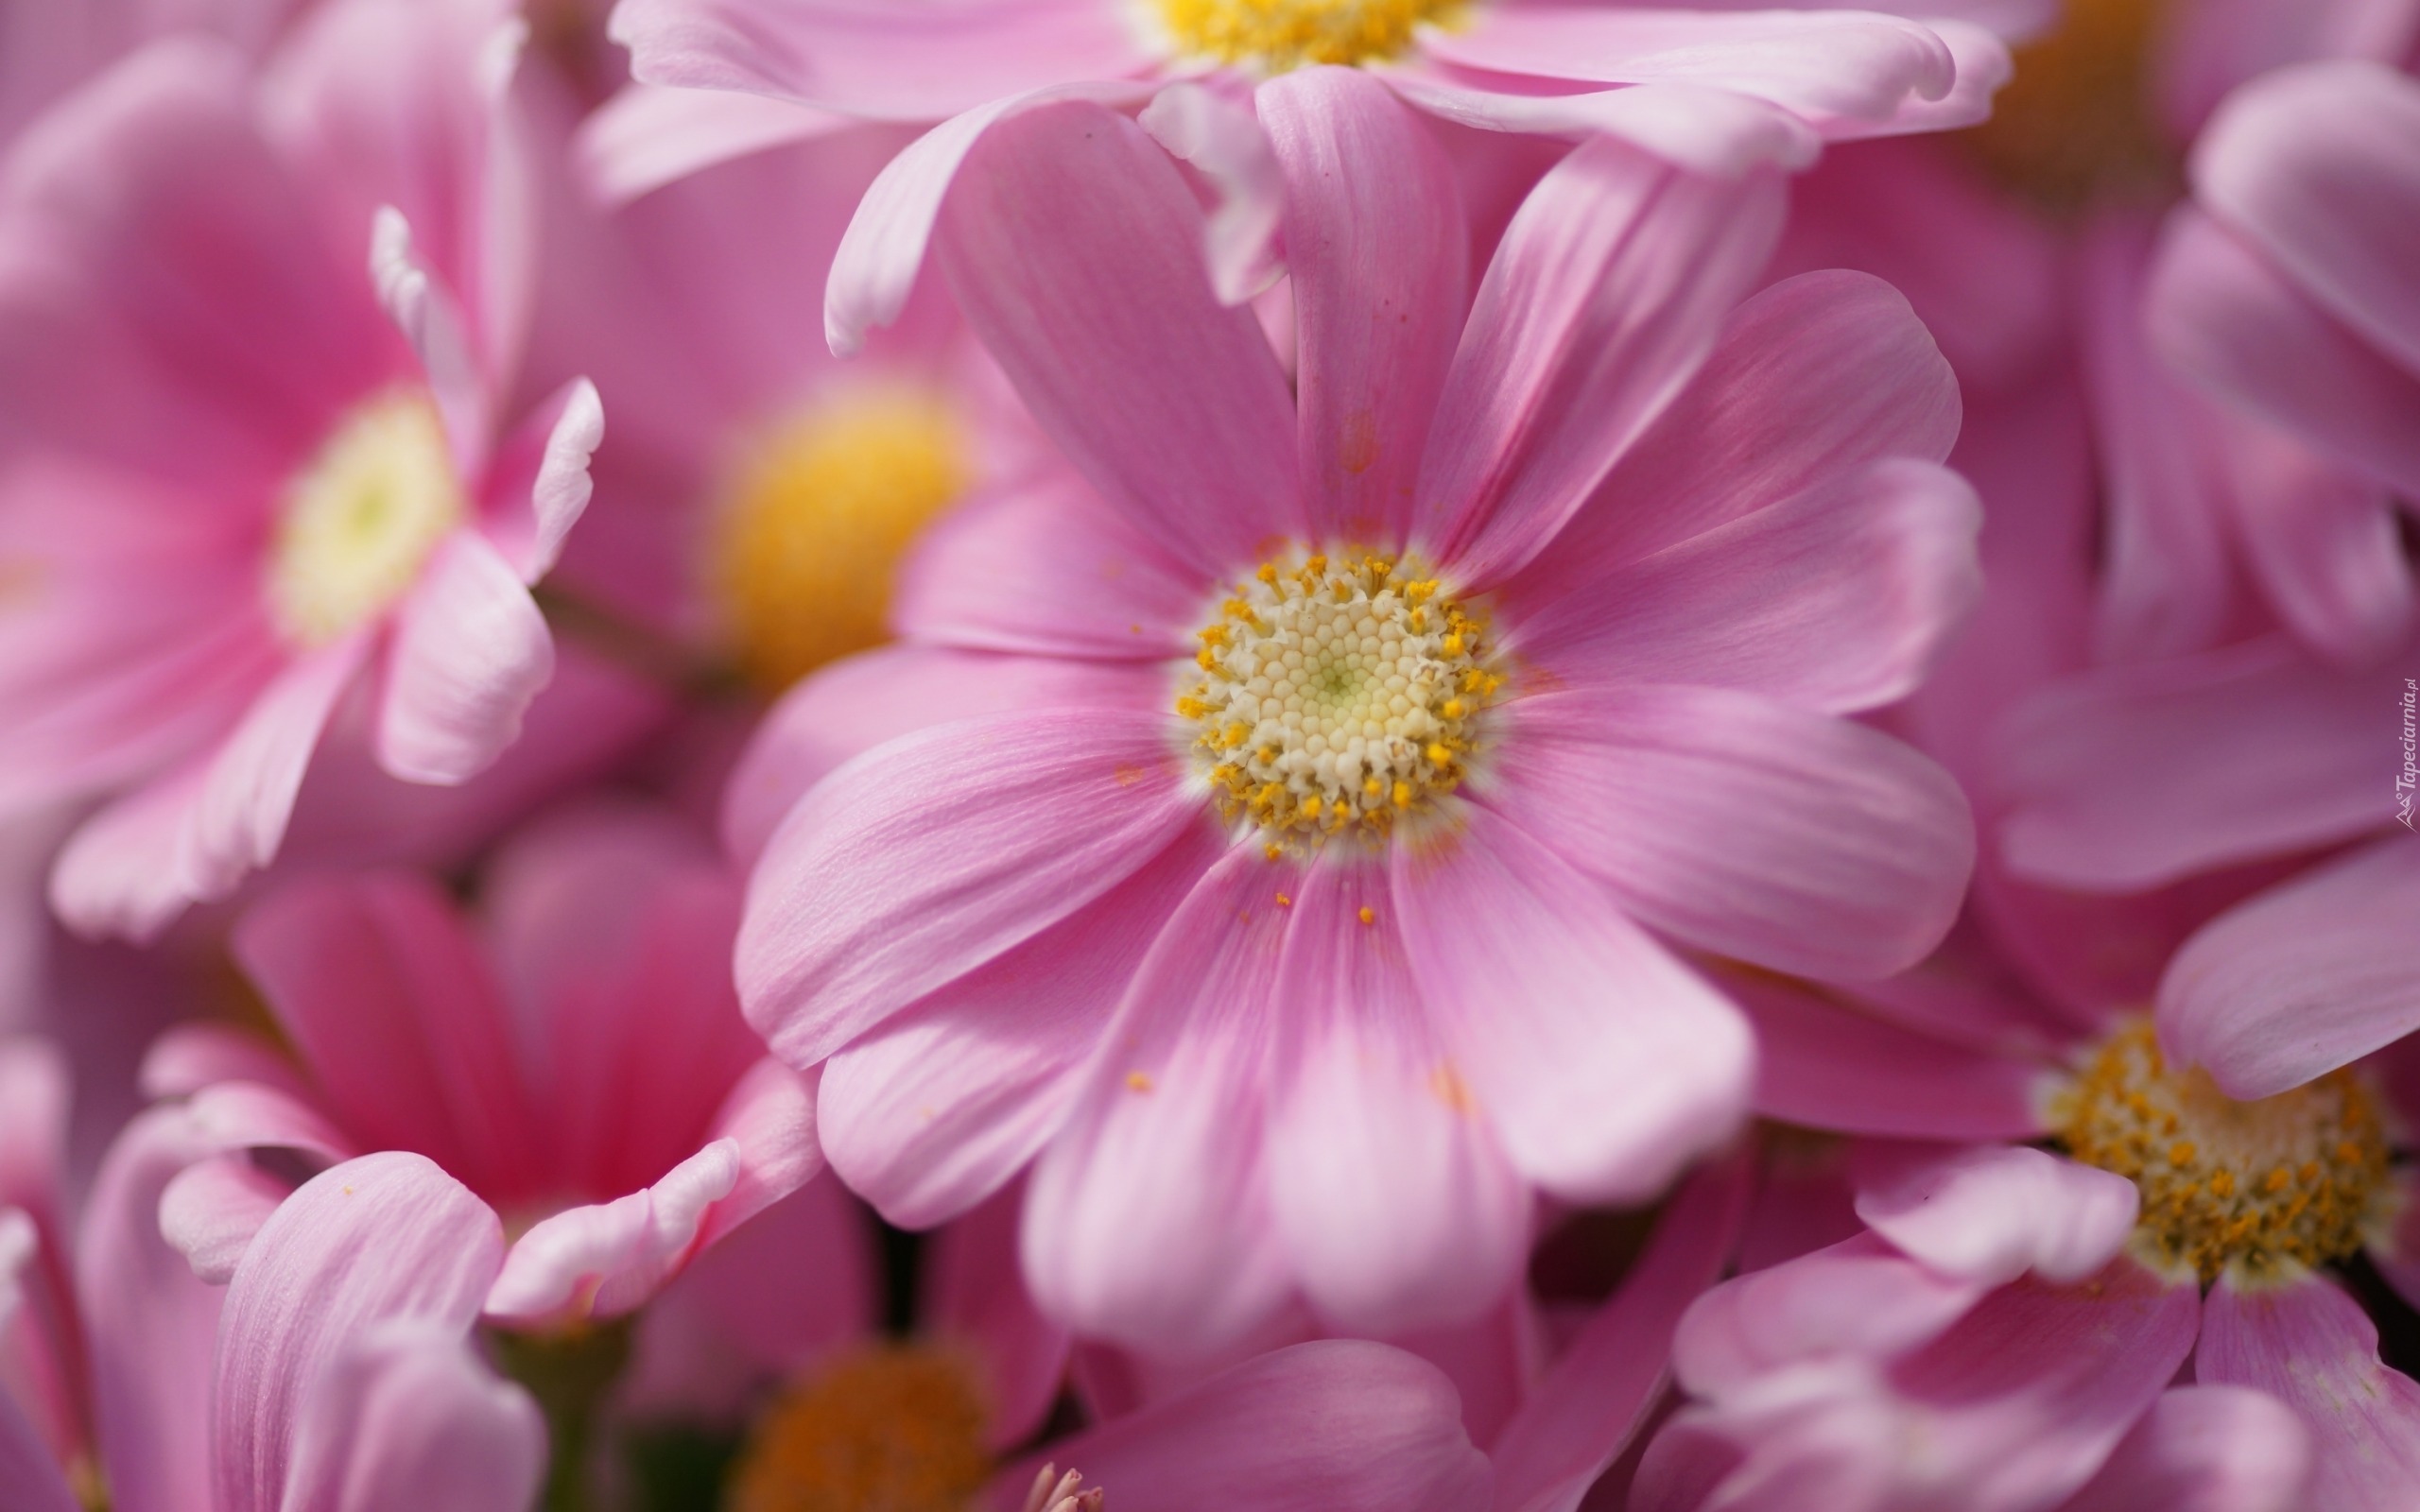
1276 35
2253 1190
1336 696
359 521
2077 123
815 520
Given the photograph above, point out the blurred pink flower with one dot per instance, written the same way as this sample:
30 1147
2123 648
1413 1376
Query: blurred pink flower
2002 1334
1720 90
47 48
1307 1016
583 1068
249 454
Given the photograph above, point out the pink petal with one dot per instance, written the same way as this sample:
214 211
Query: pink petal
36 1084
2205 1448
387 1236
259 1115
248 794
33 1477
1991 1212
1075 249
648 136
890 62
1811 380
1375 239
1389 1190
931 1111
2223 316
602 1260
411 1417
189 1057
2310 1346
876 266
1826 1065
1601 1064
430 318
1582 1416
382 988
1837 600
927 857
1147 1220
151 1325
126 870
2319 167
1826 66
975 1295
1333 1426
2324 543
210 1213
853 706
770 1117
2304 978
2232 41
1854 866
538 484
1605 295
1216 131
1711 131
2131 777
470 652
1859 1298
1046 568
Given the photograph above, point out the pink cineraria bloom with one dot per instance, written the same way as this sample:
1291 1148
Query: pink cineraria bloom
128 1383
253 332
579 1064
1716 87
1341 745
2004 1333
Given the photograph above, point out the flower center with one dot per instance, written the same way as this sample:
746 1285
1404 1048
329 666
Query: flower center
1277 35
895 1428
2077 123
803 555
359 522
2226 1186
1337 695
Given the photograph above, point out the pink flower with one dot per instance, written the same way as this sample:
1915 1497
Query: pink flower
1282 1018
2003 1334
1718 90
45 50
251 338
583 1069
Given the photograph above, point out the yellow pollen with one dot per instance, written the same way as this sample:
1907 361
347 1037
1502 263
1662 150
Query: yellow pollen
358 522
814 525
1331 703
2257 1187
895 1428
1369 914
2077 121
1276 35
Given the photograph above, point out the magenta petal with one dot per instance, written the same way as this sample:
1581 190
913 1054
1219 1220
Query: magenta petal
2222 315
2205 1448
1605 295
1148 1221
32 1477
1838 598
1826 1065
2311 975
1859 1298
2319 165
2308 1345
931 1111
1075 249
1853 868
1584 1415
1395 1203
2131 777
151 1325
471 650
1601 1062
976 1297
1376 245
409 1416
891 62
384 990
385 1237
852 706
1991 1212
927 857
1333 1426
